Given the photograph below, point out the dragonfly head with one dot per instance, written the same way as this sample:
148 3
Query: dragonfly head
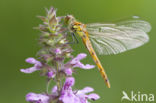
69 19
75 26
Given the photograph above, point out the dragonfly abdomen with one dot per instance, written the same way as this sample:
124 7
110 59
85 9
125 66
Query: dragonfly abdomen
88 45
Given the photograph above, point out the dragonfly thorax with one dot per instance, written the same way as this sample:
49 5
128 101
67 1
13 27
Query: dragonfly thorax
79 28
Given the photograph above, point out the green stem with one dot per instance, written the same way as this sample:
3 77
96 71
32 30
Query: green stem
58 77
47 87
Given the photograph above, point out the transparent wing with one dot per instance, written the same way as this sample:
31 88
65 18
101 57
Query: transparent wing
116 38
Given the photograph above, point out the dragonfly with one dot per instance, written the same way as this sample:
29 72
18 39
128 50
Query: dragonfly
110 38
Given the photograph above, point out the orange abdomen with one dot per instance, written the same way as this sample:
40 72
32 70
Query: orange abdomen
88 45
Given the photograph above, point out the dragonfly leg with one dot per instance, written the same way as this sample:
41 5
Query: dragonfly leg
73 38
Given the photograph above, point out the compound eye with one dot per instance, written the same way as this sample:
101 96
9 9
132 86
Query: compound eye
77 23
74 27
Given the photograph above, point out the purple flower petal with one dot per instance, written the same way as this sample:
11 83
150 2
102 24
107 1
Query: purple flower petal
31 60
93 96
54 89
37 66
69 97
80 96
51 74
81 56
70 81
57 51
83 100
78 58
85 90
68 71
82 66
37 98
29 70
75 62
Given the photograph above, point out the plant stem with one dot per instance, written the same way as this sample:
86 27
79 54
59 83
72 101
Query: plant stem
47 87
58 77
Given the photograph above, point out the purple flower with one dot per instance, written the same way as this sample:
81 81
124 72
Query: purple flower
37 98
67 95
70 81
68 71
76 62
37 66
57 51
51 74
80 96
54 90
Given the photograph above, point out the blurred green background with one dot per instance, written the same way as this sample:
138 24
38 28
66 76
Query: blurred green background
133 70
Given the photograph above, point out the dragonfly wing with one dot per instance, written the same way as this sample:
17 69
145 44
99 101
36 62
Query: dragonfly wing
138 24
135 23
116 38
